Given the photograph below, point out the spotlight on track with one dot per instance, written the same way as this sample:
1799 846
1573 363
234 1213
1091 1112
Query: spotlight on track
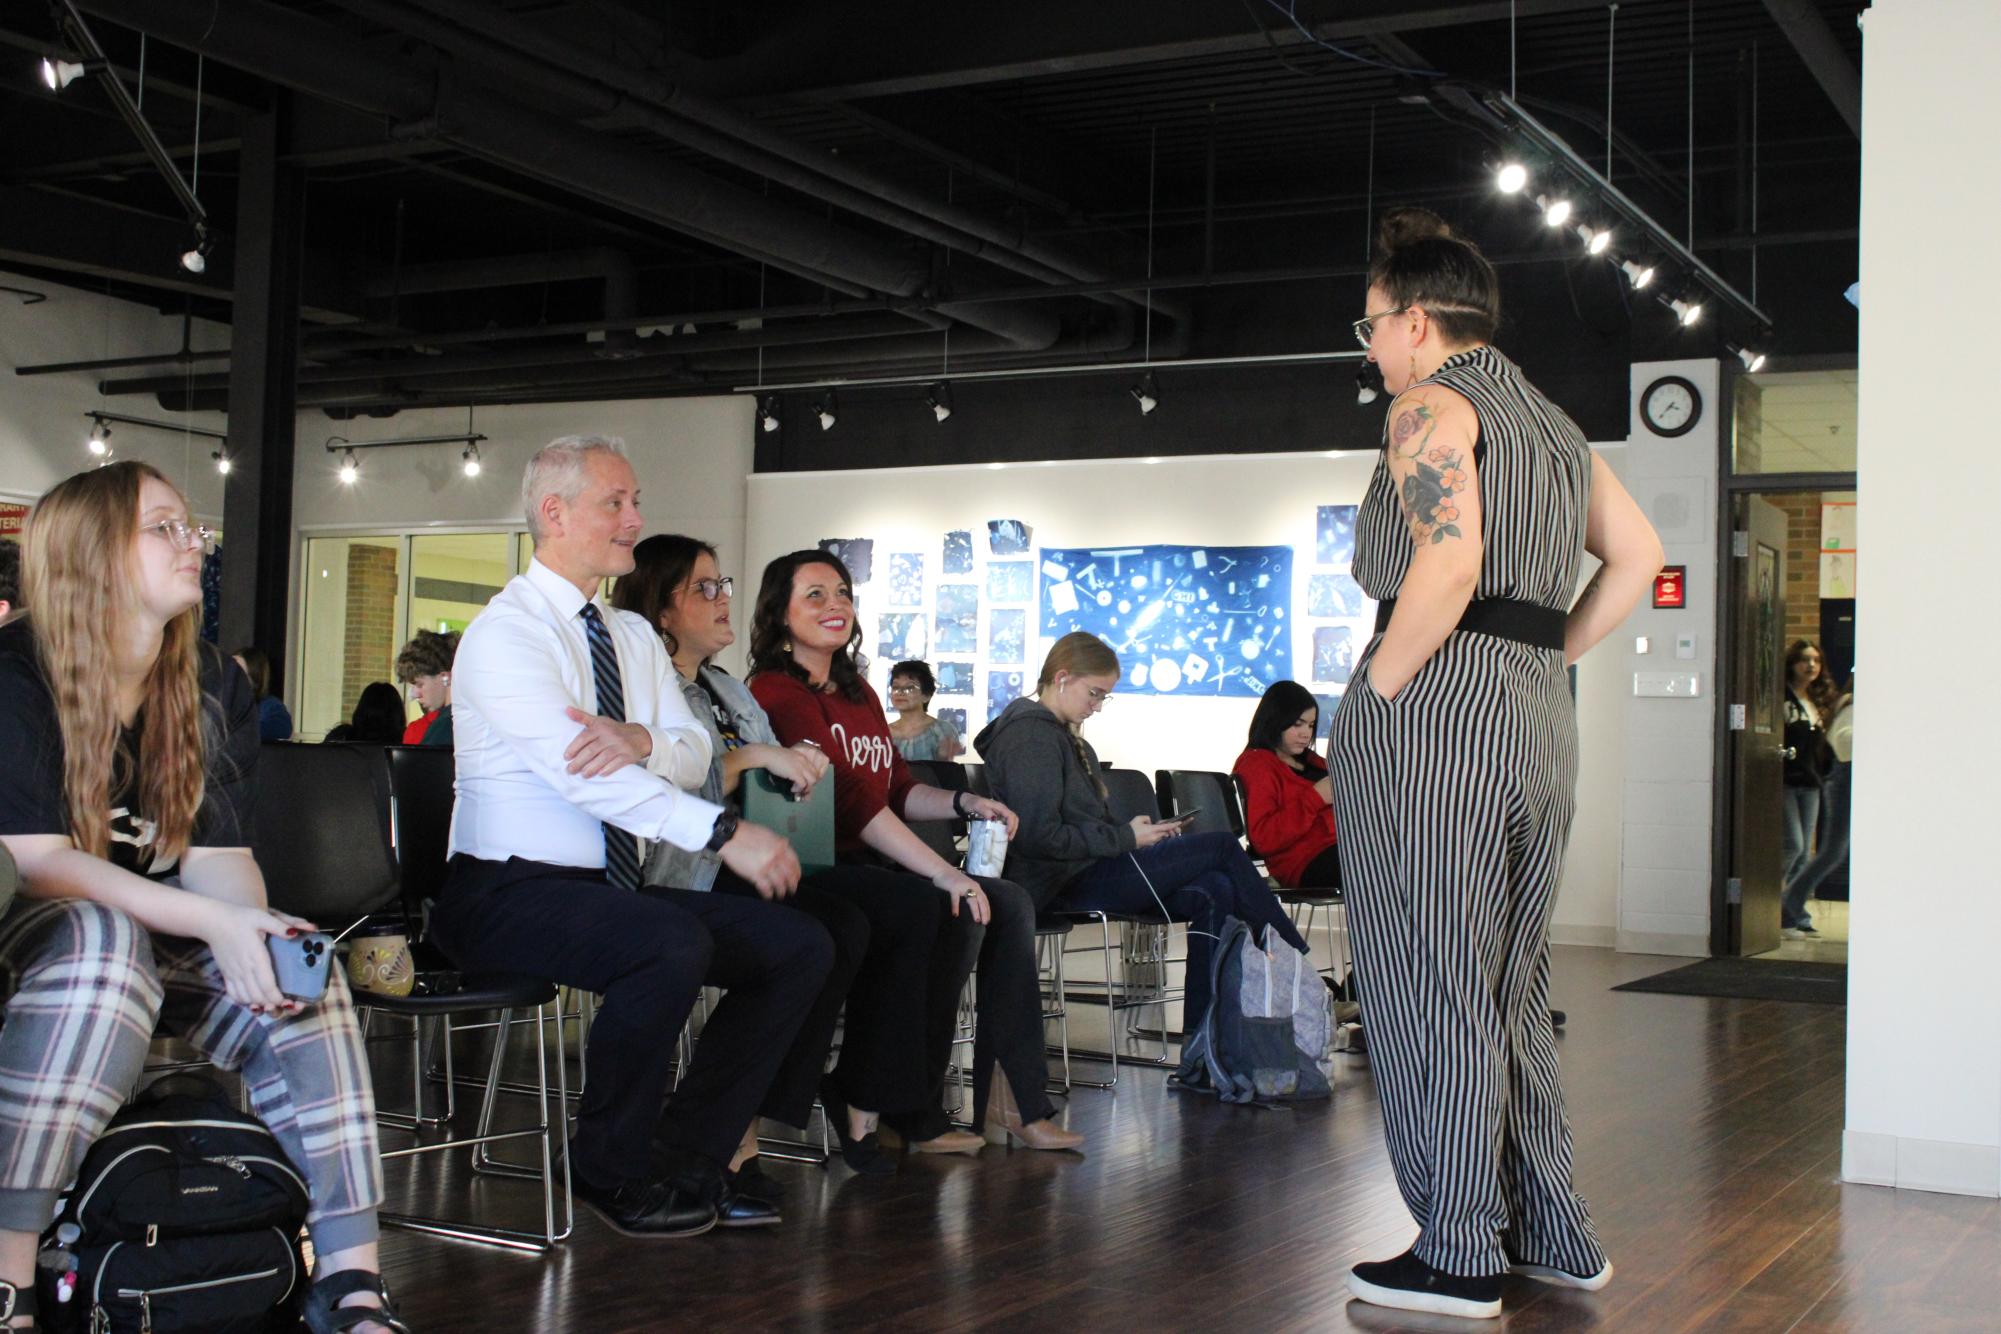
1368 384
1146 393
1596 241
939 396
350 468
222 463
1688 312
1753 361
471 458
58 74
827 409
1511 178
195 260
1640 275
99 443
1555 212
767 413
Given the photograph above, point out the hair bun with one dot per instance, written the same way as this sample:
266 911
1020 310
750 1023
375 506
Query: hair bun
1401 227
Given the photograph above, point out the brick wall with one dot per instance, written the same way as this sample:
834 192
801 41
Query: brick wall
369 650
1802 510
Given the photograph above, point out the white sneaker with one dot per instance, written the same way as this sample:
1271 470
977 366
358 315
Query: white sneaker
1563 1278
1791 933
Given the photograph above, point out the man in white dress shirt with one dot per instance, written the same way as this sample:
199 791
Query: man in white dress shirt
571 735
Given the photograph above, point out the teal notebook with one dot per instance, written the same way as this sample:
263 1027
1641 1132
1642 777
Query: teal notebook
808 825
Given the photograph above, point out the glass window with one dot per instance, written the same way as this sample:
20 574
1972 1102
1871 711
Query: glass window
1795 421
354 617
453 576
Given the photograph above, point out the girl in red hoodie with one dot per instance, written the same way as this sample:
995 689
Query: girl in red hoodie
1288 795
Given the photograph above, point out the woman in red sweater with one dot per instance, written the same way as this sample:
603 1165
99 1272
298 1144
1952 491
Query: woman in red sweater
805 667
1288 796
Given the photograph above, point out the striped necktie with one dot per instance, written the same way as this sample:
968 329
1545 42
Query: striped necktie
621 849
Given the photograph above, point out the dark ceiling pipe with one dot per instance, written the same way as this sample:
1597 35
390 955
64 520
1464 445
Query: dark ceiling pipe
552 361
320 60
464 275
1803 26
527 53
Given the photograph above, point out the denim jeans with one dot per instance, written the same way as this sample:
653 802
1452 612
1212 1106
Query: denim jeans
1201 879
1833 850
1802 814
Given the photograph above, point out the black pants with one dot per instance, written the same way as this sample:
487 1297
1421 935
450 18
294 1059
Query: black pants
884 927
649 955
1009 1029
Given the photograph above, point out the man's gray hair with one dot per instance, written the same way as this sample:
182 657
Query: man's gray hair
558 470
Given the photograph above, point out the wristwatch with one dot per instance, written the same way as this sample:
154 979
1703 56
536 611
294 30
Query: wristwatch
724 831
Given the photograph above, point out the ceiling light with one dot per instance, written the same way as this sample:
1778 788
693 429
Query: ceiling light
1597 242
768 413
1146 393
350 468
59 74
940 398
471 457
196 259
1555 212
99 443
1688 312
1638 274
1367 384
827 409
1753 361
1511 178
222 463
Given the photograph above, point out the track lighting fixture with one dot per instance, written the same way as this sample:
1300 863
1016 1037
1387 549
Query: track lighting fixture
1511 178
1147 394
59 74
767 413
1638 274
350 468
471 458
1688 312
195 260
1555 212
1368 383
99 443
222 463
827 409
1596 241
1753 361
939 396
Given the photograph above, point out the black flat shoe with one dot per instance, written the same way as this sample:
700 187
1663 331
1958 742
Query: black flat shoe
656 1209
736 1208
1409 1284
324 1314
864 1155
752 1179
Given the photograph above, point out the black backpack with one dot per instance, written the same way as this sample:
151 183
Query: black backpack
185 1216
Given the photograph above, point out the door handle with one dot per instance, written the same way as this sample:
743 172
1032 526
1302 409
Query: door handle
1789 752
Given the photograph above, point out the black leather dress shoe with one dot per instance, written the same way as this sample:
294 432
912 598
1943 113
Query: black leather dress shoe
656 1209
736 1209
752 1179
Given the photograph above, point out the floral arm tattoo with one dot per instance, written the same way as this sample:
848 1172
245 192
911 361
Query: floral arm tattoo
1437 478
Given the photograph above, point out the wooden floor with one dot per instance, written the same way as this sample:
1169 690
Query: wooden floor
1708 1143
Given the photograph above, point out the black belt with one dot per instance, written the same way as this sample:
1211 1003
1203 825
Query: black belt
1504 618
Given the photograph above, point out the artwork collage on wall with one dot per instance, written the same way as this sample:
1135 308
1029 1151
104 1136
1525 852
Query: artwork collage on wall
1216 621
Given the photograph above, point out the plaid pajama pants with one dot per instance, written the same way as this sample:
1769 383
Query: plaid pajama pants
85 987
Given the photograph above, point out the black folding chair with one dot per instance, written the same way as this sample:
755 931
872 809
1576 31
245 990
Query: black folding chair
1314 900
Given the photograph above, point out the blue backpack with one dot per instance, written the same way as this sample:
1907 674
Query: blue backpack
1268 1032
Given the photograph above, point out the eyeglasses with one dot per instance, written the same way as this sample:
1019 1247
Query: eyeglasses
1365 328
902 688
712 589
185 536
1096 695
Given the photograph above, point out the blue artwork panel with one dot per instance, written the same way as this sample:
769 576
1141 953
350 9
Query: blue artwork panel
1334 595
1183 620
954 678
1333 654
857 553
906 579
1003 689
1007 638
1334 534
956 717
1010 581
958 618
900 636
1327 703
1008 537
959 551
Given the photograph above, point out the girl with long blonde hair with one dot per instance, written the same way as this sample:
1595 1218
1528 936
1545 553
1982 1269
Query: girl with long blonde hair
127 752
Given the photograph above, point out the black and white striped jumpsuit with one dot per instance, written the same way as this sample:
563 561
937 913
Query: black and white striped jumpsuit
1454 805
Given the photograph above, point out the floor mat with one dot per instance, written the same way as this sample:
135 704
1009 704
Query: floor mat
1752 979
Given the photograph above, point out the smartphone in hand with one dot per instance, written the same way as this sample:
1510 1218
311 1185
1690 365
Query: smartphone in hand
301 964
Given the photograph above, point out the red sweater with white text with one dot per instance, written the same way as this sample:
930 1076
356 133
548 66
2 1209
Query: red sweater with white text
868 773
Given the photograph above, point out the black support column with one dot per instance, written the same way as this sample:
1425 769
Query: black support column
257 502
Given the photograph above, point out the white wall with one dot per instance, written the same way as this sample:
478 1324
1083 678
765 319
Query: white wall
1669 769
42 426
1924 996
1212 500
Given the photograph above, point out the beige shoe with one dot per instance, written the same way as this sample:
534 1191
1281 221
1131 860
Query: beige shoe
952 1141
1004 1122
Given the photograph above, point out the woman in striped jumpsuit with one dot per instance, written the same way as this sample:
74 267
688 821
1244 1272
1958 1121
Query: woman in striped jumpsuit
1454 757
